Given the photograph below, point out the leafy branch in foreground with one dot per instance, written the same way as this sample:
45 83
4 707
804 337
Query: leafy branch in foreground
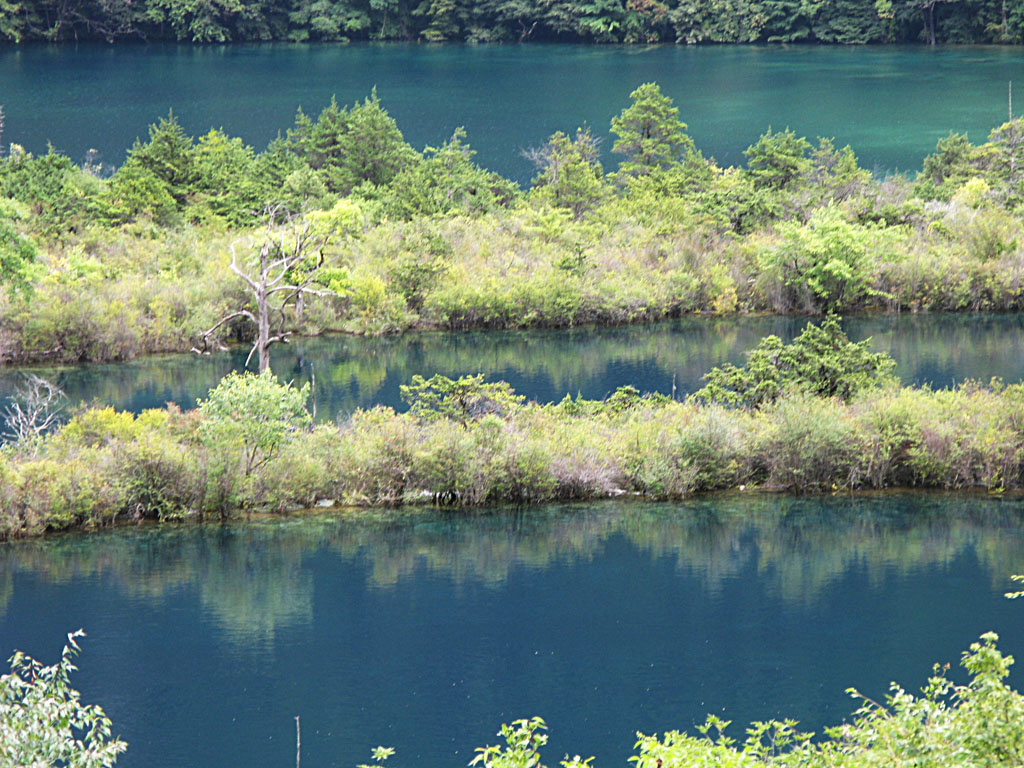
977 724
1015 595
43 721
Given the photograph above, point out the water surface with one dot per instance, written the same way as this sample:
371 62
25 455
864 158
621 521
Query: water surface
890 103
356 372
427 632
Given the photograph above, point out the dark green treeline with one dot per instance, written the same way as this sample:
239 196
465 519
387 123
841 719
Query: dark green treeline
603 21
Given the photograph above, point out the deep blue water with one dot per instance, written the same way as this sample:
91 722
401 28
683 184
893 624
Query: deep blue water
426 632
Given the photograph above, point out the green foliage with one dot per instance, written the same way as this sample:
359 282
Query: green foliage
350 147
777 160
650 134
977 724
464 399
948 168
570 175
812 445
169 156
17 252
443 18
380 754
825 264
469 442
325 20
523 740
740 21
43 721
58 195
821 361
849 22
255 411
956 161
949 724
225 183
446 180
424 258
134 192
835 175
137 262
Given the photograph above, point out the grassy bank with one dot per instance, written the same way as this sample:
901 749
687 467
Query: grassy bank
101 265
103 466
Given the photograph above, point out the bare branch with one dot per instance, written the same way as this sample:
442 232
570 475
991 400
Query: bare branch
238 271
252 352
227 319
280 253
34 410
297 289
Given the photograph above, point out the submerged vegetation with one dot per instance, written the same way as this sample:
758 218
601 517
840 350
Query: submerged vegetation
100 265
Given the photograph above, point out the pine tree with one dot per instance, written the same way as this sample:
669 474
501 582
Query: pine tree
650 134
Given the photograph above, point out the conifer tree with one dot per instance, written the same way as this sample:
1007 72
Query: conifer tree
650 134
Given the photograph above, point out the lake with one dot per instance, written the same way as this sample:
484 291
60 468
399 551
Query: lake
357 372
891 104
426 632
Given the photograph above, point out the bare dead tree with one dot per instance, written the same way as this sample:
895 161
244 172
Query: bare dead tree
284 274
34 410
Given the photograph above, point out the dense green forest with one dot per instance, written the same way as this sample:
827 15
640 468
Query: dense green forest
601 21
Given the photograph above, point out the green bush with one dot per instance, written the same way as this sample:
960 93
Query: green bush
811 445
821 361
469 443
947 725
256 412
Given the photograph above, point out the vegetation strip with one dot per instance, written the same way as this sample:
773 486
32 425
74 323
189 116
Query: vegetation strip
97 265
820 414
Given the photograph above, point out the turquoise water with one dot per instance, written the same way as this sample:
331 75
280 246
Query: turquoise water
355 372
891 104
426 633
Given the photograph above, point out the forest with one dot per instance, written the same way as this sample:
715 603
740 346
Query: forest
845 22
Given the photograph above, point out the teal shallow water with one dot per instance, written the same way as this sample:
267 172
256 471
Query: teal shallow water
890 103
427 632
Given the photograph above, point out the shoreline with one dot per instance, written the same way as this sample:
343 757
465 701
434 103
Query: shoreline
29 363
165 464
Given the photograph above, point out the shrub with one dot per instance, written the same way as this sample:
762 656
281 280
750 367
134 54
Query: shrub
821 361
811 444
462 400
376 457
255 411
827 263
